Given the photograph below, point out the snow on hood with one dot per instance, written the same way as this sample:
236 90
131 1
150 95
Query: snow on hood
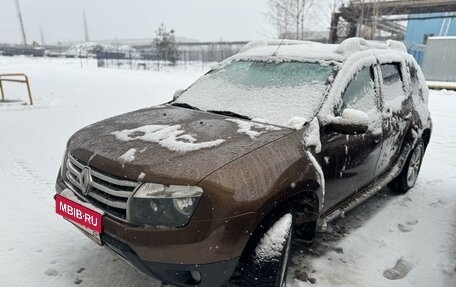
128 156
167 144
172 137
247 127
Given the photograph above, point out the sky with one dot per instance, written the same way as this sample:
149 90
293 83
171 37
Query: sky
204 20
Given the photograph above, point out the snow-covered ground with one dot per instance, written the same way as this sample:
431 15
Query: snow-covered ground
38 248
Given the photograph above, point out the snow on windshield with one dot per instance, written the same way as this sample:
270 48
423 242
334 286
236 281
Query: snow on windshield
274 91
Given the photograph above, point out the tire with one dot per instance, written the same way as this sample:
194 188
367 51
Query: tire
259 266
409 174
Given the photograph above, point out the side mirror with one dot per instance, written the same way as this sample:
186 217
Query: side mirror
350 122
177 94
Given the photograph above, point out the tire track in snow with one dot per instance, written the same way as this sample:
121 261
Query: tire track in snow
15 166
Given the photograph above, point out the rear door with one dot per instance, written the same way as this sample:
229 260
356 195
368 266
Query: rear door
396 111
349 160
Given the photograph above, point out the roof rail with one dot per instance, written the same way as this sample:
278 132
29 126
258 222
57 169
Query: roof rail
353 45
273 42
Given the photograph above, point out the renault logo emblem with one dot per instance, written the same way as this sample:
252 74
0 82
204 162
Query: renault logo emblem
85 180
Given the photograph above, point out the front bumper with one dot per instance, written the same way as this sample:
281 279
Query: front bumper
212 275
211 247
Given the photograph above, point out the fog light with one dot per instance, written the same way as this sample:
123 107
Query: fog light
196 276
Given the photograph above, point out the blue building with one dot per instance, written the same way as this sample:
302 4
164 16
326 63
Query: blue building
419 30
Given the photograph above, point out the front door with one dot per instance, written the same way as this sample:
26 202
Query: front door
349 160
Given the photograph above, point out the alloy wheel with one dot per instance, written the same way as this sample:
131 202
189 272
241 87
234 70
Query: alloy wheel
414 166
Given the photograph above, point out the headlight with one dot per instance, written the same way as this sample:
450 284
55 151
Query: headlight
163 205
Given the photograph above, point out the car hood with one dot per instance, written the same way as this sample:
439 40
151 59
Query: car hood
168 144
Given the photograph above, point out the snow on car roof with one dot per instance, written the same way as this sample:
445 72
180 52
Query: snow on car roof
302 50
291 50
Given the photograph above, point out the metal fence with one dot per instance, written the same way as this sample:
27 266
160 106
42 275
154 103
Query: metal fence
137 58
9 50
149 60
134 61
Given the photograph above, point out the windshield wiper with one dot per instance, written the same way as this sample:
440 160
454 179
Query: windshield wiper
225 113
230 114
185 105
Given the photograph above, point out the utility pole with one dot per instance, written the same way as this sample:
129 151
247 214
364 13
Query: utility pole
335 16
374 19
86 28
19 16
333 30
359 27
42 37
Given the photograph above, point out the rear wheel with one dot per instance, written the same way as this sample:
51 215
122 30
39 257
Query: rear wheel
265 262
407 178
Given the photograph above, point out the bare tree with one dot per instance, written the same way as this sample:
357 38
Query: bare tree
289 17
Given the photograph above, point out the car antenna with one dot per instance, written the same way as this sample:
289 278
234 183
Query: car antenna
275 53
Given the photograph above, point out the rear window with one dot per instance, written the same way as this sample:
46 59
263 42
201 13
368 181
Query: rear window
415 82
393 87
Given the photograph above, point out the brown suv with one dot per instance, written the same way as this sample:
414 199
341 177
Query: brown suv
262 150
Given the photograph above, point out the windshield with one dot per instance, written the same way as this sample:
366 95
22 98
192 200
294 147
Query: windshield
271 91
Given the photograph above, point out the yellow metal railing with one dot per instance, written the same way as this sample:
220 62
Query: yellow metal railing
16 78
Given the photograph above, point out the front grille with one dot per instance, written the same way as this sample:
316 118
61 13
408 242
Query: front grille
104 191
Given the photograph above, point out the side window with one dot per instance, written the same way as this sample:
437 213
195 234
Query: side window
360 93
392 87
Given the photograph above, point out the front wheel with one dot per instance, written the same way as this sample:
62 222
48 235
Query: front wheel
407 178
265 263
